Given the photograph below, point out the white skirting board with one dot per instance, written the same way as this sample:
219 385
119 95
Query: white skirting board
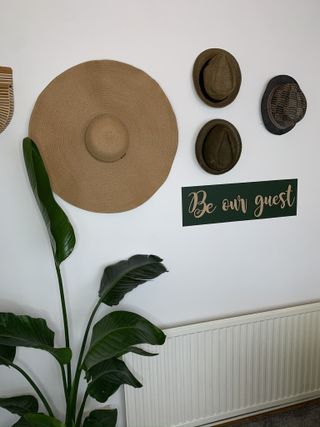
216 370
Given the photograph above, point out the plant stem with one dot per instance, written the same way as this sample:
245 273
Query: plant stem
31 382
74 390
66 330
64 381
85 337
83 404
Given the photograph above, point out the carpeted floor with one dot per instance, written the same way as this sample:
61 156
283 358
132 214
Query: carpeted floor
306 416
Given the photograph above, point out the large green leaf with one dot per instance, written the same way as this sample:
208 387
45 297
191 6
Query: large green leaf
101 418
115 333
19 405
38 420
106 378
59 228
7 353
21 423
122 277
26 331
141 351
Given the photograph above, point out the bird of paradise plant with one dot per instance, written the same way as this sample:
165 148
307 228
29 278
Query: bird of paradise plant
116 334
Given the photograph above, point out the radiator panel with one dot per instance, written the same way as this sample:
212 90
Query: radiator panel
216 370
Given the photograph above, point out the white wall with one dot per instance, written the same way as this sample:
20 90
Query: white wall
215 270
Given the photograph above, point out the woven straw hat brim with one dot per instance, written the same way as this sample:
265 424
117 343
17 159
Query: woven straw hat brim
270 124
201 140
200 61
58 126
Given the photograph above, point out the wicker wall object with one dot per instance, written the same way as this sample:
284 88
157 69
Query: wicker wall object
6 97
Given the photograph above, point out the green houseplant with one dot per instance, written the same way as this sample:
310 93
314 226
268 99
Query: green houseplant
117 333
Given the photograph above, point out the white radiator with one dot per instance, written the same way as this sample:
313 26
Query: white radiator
222 369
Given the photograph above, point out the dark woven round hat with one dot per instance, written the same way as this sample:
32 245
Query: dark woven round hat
216 77
218 146
283 104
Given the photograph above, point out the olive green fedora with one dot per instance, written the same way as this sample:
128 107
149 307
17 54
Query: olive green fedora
218 146
216 77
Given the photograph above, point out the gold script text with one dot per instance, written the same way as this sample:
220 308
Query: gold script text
199 205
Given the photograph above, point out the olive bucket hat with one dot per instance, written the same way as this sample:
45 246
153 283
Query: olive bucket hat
218 146
216 77
283 104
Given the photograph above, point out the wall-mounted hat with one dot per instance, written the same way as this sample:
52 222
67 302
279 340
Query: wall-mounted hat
107 134
218 146
216 77
6 97
283 104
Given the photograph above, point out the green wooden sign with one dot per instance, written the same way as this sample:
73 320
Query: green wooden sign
239 202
